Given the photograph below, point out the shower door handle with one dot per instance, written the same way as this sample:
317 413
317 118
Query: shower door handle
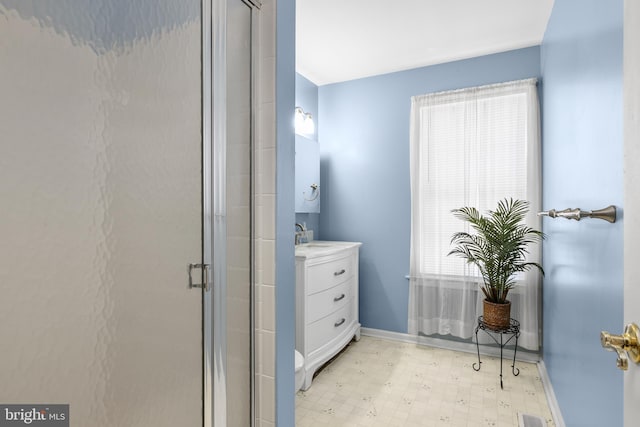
205 270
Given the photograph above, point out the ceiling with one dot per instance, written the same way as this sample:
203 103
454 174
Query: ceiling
339 40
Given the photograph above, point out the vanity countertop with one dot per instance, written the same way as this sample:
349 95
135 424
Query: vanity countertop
317 248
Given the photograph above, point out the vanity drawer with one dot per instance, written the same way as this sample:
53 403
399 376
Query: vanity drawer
322 331
327 275
323 303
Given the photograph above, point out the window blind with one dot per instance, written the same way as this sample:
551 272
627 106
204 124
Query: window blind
469 147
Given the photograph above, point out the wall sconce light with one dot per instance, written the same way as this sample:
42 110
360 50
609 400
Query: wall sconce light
303 123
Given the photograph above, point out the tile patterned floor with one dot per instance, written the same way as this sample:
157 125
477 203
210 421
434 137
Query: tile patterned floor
376 382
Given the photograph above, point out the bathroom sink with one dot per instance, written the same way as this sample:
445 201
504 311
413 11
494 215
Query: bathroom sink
317 245
318 248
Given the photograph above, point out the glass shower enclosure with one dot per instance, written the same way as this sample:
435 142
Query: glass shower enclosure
120 167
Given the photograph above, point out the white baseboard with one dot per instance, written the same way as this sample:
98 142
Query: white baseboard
466 347
551 396
471 348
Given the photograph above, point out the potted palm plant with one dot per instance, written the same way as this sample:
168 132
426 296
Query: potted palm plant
498 248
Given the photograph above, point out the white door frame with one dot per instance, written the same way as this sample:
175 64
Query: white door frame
631 198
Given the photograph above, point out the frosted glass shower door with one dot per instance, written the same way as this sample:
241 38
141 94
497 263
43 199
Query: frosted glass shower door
233 295
101 210
238 201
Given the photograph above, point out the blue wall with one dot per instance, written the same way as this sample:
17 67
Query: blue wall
307 98
364 172
581 59
285 260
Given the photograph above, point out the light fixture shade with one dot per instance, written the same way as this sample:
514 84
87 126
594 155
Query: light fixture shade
298 120
309 126
303 123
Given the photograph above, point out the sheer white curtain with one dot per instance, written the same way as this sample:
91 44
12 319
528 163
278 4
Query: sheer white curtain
470 147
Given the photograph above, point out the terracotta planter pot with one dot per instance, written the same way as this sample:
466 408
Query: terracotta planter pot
497 315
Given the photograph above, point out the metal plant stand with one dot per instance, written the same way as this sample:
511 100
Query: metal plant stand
512 331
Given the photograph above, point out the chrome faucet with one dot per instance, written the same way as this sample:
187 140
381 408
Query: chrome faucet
301 236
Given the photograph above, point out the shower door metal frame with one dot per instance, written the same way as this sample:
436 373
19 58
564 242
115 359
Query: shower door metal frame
214 117
206 17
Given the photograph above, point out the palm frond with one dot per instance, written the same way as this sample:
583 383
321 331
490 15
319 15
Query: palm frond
499 246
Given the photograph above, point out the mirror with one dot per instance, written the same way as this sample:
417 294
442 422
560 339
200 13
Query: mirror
307 175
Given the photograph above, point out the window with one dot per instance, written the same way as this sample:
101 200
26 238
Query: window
469 147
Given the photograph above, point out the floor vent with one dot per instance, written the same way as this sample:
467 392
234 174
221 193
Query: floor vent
526 420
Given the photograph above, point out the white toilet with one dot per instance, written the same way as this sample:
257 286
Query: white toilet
299 361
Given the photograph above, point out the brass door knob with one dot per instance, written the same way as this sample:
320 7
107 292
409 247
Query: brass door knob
623 345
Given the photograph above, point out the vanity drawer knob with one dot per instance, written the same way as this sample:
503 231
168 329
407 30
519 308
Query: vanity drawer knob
337 273
336 299
339 322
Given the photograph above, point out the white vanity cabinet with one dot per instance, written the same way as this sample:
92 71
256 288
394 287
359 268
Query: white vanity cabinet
326 301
